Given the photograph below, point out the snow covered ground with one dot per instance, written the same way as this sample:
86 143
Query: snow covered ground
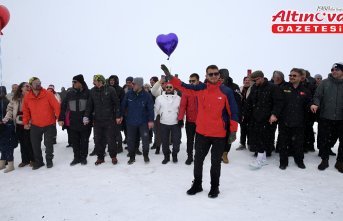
158 192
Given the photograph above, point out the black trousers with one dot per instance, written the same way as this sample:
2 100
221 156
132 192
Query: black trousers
260 136
175 132
133 134
80 140
244 132
202 147
25 144
325 130
190 132
157 132
291 137
36 135
103 134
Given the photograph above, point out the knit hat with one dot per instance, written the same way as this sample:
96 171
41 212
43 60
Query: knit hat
33 79
338 66
318 76
99 77
257 74
79 78
129 79
138 81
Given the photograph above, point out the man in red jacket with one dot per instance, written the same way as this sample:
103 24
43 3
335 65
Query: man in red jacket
217 113
40 111
188 106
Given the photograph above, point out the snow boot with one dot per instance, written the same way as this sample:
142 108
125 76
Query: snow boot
324 164
189 160
224 158
174 158
196 188
213 192
166 159
10 167
2 164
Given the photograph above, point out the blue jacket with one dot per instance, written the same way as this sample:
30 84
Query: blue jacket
138 108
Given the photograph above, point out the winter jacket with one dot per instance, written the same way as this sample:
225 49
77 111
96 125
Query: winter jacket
329 98
42 110
167 106
296 102
138 107
12 111
263 101
156 90
188 106
76 103
217 108
103 103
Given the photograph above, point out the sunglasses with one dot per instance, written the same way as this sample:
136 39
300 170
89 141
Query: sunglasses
192 81
292 75
169 87
213 74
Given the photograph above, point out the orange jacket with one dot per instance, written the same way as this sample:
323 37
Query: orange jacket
42 110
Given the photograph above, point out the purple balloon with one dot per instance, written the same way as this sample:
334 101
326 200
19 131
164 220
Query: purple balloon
167 43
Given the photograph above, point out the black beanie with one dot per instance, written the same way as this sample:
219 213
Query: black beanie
79 78
338 66
129 79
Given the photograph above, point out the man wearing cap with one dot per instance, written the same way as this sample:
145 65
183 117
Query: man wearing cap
263 108
139 109
40 111
103 104
329 100
76 102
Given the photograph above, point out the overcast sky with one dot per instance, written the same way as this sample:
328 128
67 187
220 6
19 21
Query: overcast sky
56 40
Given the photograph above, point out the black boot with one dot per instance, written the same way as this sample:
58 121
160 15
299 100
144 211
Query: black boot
339 166
157 150
146 158
49 164
74 162
324 164
166 159
175 158
300 164
189 160
213 192
131 160
196 188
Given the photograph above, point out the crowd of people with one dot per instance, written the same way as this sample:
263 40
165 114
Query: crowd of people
211 112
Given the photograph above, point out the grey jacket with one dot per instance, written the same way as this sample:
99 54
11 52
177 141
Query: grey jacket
329 98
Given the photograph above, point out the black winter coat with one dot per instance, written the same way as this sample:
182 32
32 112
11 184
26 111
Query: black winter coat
76 102
296 102
263 101
104 103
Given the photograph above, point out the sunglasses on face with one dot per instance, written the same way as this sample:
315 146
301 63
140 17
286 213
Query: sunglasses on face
169 87
213 74
191 81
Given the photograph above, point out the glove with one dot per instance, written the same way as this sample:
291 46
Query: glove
5 120
166 72
231 138
180 123
85 120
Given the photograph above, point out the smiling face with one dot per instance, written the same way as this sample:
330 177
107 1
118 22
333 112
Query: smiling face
169 88
212 75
